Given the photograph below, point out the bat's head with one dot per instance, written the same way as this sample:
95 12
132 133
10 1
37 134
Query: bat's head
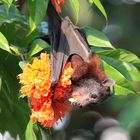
89 90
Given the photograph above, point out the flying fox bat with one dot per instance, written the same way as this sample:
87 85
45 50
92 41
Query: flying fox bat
68 43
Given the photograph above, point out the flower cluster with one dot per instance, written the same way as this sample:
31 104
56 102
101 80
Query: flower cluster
57 5
48 104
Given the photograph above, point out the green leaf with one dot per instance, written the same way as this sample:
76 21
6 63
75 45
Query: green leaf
9 31
11 14
14 50
22 64
122 85
124 61
4 43
30 134
37 11
119 66
127 56
33 131
100 7
123 91
8 71
76 7
21 95
121 54
129 71
29 38
37 46
8 2
45 133
5 46
97 38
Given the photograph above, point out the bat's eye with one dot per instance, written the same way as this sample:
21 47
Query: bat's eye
80 106
76 104
94 96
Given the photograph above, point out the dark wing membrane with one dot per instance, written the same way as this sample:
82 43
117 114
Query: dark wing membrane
66 40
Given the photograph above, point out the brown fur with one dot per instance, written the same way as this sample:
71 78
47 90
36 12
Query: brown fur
89 81
87 69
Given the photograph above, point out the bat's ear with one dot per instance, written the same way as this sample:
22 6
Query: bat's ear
108 82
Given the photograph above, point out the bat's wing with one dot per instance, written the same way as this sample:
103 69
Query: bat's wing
66 40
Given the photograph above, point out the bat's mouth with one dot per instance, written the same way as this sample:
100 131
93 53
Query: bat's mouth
78 99
81 100
74 98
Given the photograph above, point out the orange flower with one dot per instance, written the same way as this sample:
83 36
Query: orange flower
57 5
47 104
42 111
36 77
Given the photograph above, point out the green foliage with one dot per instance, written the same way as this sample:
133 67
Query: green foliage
76 7
75 4
5 46
8 2
30 134
37 46
4 43
36 132
11 14
20 42
14 112
97 38
99 6
37 10
22 64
